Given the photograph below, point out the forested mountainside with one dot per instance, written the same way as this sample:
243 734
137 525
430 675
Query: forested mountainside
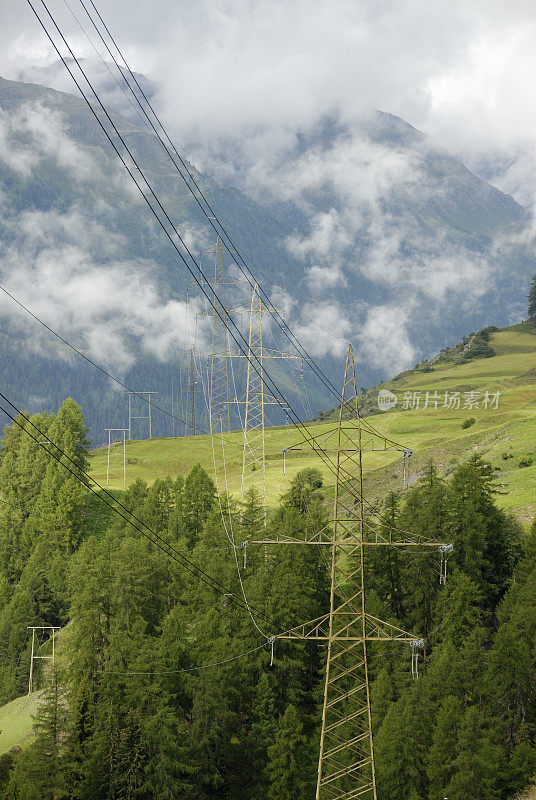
132 709
374 232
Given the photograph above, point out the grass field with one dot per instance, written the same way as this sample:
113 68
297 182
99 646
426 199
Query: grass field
506 435
17 717
16 721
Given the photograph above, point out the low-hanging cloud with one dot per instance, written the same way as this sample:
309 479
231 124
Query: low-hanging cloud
323 328
68 265
110 308
34 133
268 71
384 339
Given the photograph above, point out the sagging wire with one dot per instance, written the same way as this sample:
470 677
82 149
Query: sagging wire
229 531
104 673
191 182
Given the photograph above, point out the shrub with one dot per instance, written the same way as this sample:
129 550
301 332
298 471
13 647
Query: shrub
468 422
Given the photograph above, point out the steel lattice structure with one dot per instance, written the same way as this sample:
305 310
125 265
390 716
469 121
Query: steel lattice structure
346 761
220 421
256 398
190 428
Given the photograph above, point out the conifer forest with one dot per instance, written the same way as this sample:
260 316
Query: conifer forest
127 712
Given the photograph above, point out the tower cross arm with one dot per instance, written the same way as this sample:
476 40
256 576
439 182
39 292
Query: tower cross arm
344 438
351 630
267 352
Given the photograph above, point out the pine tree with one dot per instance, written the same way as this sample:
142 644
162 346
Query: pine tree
520 769
424 513
478 764
511 684
263 725
305 489
486 543
41 774
459 608
443 752
198 501
390 749
383 695
287 765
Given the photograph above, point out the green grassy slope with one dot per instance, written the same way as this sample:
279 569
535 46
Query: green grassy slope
17 717
506 436
16 721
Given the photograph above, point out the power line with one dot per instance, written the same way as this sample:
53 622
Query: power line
106 672
176 235
220 310
84 356
208 211
172 237
86 481
101 368
365 425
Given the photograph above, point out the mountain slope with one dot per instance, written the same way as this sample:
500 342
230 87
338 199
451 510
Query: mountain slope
371 230
505 436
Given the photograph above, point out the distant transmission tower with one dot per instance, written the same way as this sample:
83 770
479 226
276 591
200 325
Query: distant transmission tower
124 431
190 428
256 398
346 767
147 416
33 657
220 420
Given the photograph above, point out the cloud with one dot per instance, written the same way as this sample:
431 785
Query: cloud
323 328
110 309
328 235
406 258
35 133
384 339
68 264
270 70
321 279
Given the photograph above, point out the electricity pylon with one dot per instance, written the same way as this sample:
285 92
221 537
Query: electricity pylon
124 431
346 767
220 420
256 398
191 382
33 657
132 416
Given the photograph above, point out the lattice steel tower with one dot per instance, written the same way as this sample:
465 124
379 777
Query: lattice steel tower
346 762
191 382
219 412
256 398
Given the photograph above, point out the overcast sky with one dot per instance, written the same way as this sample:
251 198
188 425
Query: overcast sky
462 71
